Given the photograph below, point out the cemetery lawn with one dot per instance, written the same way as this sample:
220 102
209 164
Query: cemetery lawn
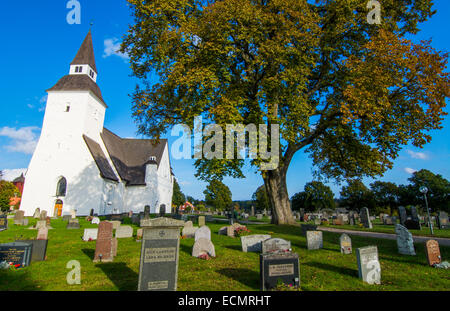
232 269
377 226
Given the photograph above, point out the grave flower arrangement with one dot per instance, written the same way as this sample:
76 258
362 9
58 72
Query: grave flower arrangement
241 231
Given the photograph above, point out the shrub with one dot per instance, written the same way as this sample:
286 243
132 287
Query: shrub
241 231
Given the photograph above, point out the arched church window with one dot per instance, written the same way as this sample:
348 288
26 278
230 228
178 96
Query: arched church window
61 187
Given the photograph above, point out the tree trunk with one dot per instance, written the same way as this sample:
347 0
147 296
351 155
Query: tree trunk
275 183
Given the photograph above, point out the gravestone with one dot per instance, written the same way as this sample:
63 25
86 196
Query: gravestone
252 212
253 243
37 213
433 252
346 244
314 240
158 269
67 217
136 219
387 220
18 253
274 245
307 227
43 215
351 219
92 212
48 221
442 220
42 234
405 242
302 214
73 224
116 224
147 212
40 224
317 221
282 267
19 218
139 234
38 249
124 232
223 230
95 221
104 249
231 229
369 268
203 233
189 229
73 214
259 216
90 234
201 221
203 246
402 214
3 222
365 218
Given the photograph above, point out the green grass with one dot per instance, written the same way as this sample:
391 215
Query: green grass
377 226
325 269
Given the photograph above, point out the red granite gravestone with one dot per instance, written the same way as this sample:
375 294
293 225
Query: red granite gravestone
433 252
105 247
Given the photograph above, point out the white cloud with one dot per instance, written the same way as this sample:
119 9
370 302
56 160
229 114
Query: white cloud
11 174
24 139
112 47
185 183
417 155
410 170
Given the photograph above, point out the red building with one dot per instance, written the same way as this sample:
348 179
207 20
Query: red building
19 182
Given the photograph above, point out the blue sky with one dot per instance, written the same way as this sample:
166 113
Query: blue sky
39 44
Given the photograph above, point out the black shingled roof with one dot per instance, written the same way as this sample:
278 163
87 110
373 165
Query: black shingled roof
85 54
130 156
105 169
78 83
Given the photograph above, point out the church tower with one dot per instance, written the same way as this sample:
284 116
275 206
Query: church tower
75 109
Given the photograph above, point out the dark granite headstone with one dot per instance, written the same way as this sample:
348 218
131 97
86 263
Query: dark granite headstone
147 212
402 214
302 214
365 218
73 224
39 249
442 220
17 253
92 212
307 227
158 269
279 267
3 222
104 251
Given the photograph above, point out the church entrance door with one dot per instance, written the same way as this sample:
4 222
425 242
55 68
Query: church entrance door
58 208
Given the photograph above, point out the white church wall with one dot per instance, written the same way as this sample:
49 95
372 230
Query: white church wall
165 182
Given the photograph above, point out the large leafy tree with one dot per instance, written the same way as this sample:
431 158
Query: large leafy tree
315 196
178 197
438 194
385 194
261 198
347 92
356 195
7 191
218 195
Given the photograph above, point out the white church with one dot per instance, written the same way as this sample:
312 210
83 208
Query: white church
79 165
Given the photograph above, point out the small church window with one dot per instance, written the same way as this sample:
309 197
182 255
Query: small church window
61 187
67 108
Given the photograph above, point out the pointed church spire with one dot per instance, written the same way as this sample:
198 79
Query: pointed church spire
85 55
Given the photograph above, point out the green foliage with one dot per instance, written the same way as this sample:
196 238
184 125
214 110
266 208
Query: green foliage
438 194
366 89
261 198
385 194
178 198
218 195
7 191
356 195
316 196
